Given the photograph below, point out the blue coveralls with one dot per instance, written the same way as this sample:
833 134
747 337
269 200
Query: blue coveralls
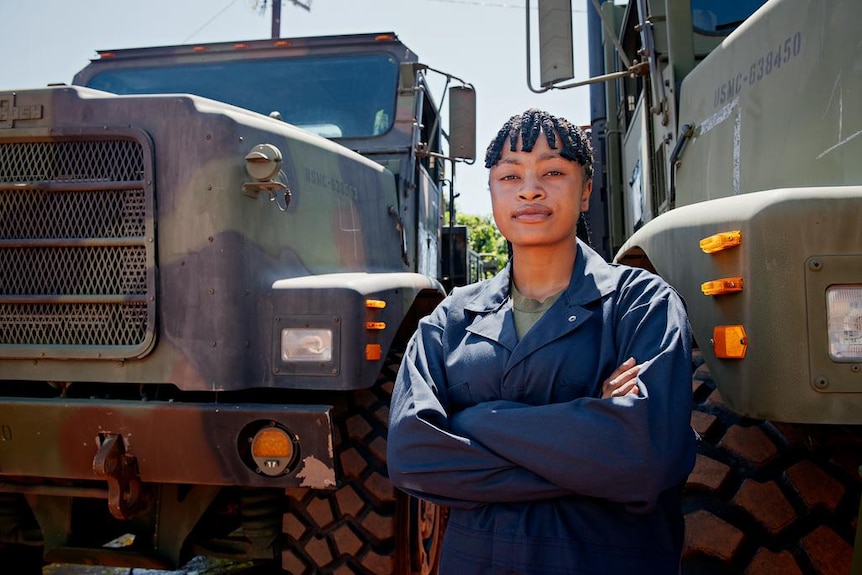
541 475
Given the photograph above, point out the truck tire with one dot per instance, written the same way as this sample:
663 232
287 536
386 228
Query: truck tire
365 525
768 498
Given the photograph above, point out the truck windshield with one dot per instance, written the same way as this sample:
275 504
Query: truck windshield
333 96
721 17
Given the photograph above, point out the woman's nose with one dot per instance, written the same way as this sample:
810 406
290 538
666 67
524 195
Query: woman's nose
532 188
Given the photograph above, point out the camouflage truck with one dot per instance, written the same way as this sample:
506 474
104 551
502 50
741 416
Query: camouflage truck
210 258
727 138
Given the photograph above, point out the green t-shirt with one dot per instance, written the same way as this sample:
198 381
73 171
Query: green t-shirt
528 311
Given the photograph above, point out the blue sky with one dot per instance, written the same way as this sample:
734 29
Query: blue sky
480 41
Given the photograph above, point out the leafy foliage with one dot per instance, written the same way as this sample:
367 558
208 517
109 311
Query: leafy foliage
485 239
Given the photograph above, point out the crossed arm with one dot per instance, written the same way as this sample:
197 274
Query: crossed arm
626 446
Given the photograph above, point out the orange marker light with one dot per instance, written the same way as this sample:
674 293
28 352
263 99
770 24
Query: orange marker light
272 451
373 351
375 303
729 341
375 325
722 241
271 442
722 286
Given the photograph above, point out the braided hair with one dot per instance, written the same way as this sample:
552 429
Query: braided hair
576 146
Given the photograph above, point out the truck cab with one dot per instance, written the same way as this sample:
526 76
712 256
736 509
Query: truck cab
212 255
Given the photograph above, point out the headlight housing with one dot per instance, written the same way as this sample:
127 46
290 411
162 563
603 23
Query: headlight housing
303 344
844 322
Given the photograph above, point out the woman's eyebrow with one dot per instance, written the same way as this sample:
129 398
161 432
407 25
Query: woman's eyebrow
550 156
543 156
509 160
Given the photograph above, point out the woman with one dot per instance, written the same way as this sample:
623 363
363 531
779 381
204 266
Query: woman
548 407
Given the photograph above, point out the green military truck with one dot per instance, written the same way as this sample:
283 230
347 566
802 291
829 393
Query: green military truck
210 257
727 134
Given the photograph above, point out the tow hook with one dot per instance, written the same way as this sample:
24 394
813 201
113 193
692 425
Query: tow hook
125 490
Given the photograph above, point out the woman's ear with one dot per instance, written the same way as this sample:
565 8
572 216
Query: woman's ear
585 195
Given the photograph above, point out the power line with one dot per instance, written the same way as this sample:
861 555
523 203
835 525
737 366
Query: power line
307 6
493 4
476 3
208 22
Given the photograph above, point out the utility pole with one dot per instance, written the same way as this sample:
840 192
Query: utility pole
276 19
276 14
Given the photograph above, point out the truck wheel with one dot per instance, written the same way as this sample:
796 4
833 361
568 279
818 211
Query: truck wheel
366 525
768 498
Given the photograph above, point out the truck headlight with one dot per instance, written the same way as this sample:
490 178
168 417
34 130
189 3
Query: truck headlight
844 322
306 344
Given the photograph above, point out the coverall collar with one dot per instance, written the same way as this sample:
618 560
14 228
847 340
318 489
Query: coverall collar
591 280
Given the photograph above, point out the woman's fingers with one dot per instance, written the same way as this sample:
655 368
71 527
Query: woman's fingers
624 367
623 380
626 388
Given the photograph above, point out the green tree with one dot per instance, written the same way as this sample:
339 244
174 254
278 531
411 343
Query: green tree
485 239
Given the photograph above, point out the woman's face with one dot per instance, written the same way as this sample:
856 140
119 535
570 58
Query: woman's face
538 196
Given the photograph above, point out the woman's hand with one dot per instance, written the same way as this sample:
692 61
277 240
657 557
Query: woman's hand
623 381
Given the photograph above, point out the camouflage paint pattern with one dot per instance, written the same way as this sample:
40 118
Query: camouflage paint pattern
218 271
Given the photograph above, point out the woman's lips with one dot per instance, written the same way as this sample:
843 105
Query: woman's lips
531 212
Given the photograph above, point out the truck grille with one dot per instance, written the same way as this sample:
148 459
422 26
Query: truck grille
77 254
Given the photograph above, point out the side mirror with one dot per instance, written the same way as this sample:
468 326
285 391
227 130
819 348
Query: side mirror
462 123
556 58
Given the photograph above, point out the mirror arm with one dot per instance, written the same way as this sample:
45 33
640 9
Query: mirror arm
632 69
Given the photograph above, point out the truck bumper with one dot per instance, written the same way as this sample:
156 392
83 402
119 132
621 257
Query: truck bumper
179 443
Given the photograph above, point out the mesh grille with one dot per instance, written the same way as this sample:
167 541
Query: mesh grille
97 270
40 213
76 267
72 161
73 324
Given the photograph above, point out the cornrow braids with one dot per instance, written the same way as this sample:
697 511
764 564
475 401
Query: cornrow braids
527 126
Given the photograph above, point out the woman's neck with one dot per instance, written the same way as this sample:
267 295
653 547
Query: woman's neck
540 272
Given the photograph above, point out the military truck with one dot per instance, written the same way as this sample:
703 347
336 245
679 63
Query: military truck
728 163
210 258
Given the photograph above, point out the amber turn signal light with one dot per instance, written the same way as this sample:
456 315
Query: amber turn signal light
271 442
722 286
722 241
373 351
272 450
729 341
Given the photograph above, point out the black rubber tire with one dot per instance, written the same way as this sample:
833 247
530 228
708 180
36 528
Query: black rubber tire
366 525
768 498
